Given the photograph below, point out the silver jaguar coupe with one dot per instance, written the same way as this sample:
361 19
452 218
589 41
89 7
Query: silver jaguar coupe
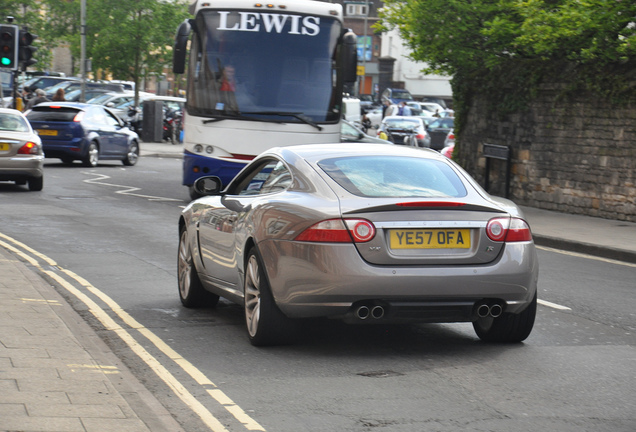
365 233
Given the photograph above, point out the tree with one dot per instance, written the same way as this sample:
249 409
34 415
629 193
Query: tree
591 44
133 40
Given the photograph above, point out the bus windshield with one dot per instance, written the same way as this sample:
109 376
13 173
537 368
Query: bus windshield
270 66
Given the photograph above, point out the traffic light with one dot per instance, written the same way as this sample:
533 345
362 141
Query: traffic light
9 46
25 51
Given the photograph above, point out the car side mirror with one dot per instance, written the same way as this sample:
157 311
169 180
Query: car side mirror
208 185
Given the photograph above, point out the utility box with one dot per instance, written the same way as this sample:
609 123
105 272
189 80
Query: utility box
152 124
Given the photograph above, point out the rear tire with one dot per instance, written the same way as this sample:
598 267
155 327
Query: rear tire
92 156
265 323
36 184
191 291
507 328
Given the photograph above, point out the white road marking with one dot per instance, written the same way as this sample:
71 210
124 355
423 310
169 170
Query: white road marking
552 305
125 190
109 324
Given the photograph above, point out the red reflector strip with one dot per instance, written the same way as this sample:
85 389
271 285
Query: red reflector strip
240 157
431 204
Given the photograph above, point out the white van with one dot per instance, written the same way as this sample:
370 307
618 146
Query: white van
351 109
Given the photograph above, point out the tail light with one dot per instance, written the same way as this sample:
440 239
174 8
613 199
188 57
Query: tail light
420 136
508 230
451 135
29 148
339 231
78 118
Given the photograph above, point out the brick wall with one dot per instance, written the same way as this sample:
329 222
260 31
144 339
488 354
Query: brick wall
576 156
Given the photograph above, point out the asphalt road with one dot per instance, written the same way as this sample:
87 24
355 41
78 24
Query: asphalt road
116 228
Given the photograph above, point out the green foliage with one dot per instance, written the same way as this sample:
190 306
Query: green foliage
129 39
508 48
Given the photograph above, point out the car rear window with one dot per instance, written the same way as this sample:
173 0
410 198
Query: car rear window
396 176
402 123
12 122
49 113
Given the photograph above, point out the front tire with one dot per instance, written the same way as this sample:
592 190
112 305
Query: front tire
92 156
265 323
133 154
507 328
193 193
191 291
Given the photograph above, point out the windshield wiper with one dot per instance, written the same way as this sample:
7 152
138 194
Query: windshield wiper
298 115
232 117
243 116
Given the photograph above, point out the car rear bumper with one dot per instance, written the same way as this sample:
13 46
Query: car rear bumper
334 280
75 147
21 168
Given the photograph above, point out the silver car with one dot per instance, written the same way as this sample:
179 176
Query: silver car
366 233
21 155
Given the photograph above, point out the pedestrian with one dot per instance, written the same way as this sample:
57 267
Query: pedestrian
404 109
59 95
385 105
40 96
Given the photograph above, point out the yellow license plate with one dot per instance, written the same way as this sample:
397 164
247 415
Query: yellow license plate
5 146
47 132
430 239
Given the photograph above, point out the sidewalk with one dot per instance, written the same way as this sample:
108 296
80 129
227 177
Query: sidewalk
56 374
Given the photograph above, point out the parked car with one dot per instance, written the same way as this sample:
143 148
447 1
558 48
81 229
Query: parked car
70 86
416 110
350 133
401 130
75 131
430 108
75 95
117 102
438 130
44 82
21 155
365 233
367 102
395 96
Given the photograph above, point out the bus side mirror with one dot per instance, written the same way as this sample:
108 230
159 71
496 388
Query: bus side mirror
350 57
180 47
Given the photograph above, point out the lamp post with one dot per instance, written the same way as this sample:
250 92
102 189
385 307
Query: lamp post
83 50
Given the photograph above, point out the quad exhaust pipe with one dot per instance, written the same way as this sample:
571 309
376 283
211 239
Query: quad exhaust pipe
363 312
492 310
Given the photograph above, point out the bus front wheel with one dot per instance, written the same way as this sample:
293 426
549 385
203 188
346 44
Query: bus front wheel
193 193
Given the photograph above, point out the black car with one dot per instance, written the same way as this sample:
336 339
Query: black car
438 130
89 133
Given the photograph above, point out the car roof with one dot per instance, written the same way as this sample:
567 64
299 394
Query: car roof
78 105
10 111
413 118
316 152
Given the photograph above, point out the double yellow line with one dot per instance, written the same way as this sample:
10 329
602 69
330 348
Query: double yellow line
28 254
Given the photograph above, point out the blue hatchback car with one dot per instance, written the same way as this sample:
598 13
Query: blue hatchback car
77 131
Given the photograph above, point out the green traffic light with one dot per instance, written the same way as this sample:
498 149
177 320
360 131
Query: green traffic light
5 61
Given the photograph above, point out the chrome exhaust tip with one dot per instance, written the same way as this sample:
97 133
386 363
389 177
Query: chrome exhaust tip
483 310
362 312
377 312
496 310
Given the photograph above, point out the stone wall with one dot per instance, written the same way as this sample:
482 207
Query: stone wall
574 156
